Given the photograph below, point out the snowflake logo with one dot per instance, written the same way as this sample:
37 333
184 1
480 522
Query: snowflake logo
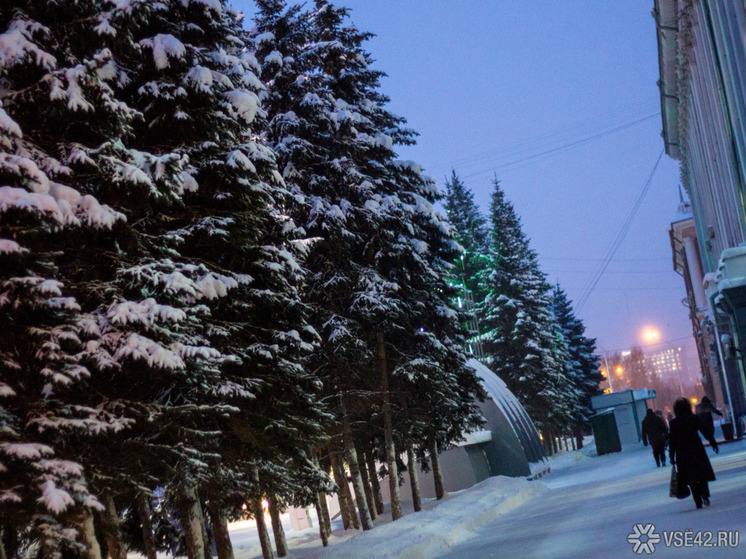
643 538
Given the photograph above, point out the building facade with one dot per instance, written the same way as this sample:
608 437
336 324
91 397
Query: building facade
702 59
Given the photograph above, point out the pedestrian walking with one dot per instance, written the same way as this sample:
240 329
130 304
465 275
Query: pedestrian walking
654 430
704 411
686 451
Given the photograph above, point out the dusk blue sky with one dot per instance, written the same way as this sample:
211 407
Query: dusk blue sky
492 85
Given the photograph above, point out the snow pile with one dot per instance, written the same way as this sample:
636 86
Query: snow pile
566 460
428 533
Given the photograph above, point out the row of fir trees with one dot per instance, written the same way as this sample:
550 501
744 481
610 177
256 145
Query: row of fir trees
523 328
219 286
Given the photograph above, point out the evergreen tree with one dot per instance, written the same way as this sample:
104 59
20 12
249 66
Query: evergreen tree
48 407
520 336
223 252
187 315
470 231
585 375
379 251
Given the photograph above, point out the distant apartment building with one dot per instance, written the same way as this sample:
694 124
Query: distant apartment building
702 58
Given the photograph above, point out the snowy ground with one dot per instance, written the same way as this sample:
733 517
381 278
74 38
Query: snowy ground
586 507
591 508
425 534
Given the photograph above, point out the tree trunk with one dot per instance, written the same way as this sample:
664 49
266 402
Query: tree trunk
323 516
219 522
206 539
572 440
143 511
192 521
279 532
322 511
346 508
437 474
87 536
366 483
373 474
357 480
413 479
389 431
579 436
261 528
112 532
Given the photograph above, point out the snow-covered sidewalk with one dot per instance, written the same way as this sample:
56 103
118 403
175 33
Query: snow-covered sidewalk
591 508
425 534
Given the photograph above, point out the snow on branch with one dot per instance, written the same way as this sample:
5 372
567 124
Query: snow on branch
163 47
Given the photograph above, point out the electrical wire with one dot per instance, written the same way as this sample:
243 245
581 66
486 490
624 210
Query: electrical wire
566 134
620 236
559 149
647 345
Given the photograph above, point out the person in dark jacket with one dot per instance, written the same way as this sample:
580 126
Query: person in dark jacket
685 449
654 430
704 411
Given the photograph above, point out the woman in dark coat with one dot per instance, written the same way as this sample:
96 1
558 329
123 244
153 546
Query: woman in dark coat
685 449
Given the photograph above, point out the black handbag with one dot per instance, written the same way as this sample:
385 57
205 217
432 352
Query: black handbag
677 489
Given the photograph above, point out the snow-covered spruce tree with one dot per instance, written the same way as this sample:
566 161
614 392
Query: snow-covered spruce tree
316 148
219 251
438 389
371 271
519 333
585 377
470 231
48 408
165 343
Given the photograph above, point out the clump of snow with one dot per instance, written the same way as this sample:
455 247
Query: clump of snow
273 57
26 450
139 347
16 45
238 159
164 46
54 498
188 182
104 25
382 140
201 77
8 246
147 313
262 37
8 125
245 103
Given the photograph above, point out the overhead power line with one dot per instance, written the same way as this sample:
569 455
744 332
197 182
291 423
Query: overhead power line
620 236
647 345
561 148
567 134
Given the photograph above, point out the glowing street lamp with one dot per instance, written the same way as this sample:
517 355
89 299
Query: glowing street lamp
650 335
